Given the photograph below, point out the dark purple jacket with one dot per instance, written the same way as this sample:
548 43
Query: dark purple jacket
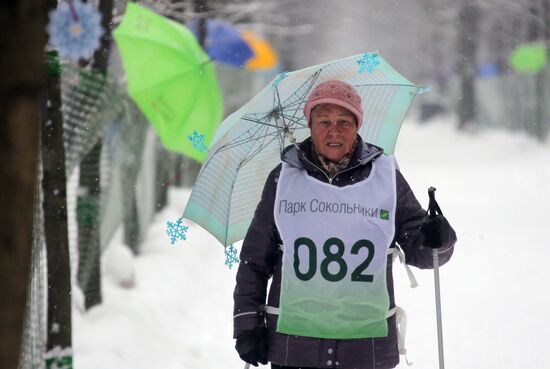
261 260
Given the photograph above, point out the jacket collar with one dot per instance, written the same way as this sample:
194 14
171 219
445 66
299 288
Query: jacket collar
300 156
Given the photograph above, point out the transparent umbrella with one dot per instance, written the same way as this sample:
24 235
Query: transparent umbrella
248 143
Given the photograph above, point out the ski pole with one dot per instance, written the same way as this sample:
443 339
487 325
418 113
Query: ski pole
433 208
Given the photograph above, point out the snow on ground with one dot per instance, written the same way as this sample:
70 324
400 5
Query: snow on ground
494 188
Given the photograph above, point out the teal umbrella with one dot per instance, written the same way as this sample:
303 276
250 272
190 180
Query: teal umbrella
248 143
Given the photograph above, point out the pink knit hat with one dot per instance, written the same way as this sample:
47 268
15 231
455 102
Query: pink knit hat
335 92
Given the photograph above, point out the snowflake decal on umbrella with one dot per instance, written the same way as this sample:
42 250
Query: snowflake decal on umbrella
231 256
75 29
198 141
368 62
176 230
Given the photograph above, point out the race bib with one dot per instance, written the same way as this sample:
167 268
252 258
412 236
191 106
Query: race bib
336 241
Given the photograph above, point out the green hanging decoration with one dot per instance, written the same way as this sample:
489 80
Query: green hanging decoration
58 358
171 79
529 57
53 66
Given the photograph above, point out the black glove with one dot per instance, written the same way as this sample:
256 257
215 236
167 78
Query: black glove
252 346
435 228
436 231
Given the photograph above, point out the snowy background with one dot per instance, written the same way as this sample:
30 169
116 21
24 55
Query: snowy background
171 307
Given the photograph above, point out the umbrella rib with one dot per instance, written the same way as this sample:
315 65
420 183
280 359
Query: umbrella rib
252 136
259 148
386 85
260 122
235 143
300 97
238 143
285 129
250 154
229 202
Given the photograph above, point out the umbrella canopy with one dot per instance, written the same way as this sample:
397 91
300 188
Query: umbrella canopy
264 57
224 42
248 144
529 58
171 80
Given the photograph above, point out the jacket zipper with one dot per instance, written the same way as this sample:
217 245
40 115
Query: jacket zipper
330 179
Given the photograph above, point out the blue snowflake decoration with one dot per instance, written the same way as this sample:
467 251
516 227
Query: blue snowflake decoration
231 256
176 230
368 62
198 141
76 32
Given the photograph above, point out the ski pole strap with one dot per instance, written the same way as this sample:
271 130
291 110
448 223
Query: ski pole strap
433 206
401 321
272 310
397 253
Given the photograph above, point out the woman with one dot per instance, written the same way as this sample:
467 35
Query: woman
328 221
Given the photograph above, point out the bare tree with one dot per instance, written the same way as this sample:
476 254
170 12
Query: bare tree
89 272
467 44
537 30
54 187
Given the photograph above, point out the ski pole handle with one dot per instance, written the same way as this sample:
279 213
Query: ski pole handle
433 206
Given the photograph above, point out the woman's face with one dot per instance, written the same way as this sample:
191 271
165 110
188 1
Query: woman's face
333 131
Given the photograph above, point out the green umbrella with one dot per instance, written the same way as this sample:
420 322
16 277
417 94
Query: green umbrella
528 58
171 79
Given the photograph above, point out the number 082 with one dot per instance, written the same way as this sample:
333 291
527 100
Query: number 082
357 274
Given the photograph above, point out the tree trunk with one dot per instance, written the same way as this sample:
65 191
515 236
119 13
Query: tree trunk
22 39
467 50
537 32
187 169
54 184
543 97
162 177
88 218
89 199
134 131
